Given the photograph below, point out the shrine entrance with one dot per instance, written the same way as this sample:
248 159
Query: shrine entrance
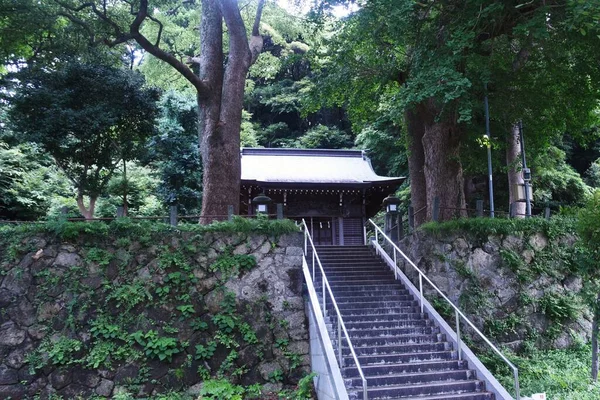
321 230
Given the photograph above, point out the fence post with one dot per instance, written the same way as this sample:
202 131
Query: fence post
547 213
436 209
279 211
173 215
120 212
400 226
411 219
230 213
512 210
479 206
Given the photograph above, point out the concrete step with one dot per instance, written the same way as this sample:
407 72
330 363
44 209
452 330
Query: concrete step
373 299
408 311
369 305
385 279
342 296
368 289
396 340
412 378
366 317
362 325
392 332
357 273
459 396
428 389
405 368
388 349
354 266
401 357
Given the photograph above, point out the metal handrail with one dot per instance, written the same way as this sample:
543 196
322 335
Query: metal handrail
341 326
458 313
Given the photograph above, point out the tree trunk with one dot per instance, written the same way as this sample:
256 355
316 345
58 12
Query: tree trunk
209 109
416 163
513 162
595 339
442 168
88 213
220 108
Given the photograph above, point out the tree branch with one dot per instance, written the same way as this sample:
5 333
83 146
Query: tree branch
259 11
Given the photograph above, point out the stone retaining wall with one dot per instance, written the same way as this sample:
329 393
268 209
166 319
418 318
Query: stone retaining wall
101 315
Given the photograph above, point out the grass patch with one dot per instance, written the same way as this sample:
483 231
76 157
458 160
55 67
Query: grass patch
563 374
483 227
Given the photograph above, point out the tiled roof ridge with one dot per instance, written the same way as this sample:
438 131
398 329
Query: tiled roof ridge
302 152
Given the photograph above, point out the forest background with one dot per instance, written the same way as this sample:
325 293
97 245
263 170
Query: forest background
84 120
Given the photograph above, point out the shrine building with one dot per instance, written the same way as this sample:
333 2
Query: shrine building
335 191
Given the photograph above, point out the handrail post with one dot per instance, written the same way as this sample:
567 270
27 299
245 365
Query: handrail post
376 236
306 244
421 290
340 340
458 338
395 264
324 300
313 263
517 389
365 394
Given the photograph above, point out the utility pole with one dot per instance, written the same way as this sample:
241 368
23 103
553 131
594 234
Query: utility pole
489 151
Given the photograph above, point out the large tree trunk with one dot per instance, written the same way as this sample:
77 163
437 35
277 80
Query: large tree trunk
416 164
443 170
209 110
220 108
88 213
513 162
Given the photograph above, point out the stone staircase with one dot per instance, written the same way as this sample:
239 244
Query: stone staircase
401 351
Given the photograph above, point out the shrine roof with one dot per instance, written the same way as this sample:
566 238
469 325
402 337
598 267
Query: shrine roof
311 166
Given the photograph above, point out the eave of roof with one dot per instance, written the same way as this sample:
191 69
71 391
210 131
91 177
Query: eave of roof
283 167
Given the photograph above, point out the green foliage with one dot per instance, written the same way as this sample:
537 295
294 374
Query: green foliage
28 182
324 137
99 256
205 352
233 264
186 310
589 225
558 182
222 389
177 134
157 346
57 351
55 110
592 175
559 307
128 295
481 228
562 374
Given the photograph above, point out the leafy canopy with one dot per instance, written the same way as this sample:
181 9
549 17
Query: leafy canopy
87 117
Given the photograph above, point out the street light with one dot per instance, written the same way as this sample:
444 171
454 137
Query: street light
391 204
262 204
